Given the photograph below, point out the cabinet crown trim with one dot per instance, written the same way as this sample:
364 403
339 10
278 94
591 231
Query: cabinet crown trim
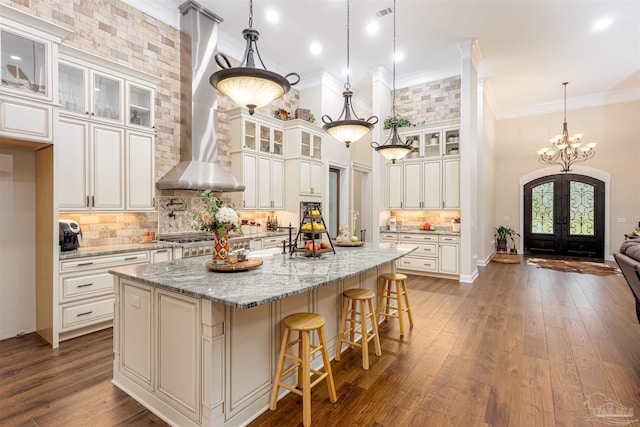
9 15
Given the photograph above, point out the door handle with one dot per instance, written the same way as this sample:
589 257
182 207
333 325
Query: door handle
564 219
558 220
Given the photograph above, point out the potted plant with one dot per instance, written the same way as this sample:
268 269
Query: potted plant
501 235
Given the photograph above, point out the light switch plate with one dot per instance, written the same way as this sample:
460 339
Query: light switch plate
506 218
621 220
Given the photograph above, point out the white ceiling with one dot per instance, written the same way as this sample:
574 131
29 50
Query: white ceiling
528 47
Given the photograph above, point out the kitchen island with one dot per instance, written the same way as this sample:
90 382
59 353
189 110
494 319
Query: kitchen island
199 348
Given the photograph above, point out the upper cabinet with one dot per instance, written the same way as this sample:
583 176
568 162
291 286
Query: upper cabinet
105 125
432 141
28 52
104 91
304 158
256 133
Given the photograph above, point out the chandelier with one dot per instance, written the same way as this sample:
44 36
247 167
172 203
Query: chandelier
347 129
566 150
245 84
393 148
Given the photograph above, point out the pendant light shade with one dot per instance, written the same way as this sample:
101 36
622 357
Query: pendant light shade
246 85
349 127
393 148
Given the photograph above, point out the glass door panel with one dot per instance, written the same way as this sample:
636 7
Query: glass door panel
106 97
139 106
317 147
452 141
277 142
305 144
265 139
432 144
415 146
581 209
249 135
24 63
71 88
542 209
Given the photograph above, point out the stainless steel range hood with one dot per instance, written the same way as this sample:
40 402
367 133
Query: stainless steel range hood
198 168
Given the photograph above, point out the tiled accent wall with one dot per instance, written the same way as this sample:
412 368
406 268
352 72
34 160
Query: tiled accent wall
430 102
118 32
440 219
117 228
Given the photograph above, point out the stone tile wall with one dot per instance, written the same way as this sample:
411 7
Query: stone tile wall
117 228
415 218
430 102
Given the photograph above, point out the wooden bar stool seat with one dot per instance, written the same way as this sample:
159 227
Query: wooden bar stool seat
357 318
398 293
304 324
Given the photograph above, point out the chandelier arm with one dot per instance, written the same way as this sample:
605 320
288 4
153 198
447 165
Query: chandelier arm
326 119
293 75
219 57
374 118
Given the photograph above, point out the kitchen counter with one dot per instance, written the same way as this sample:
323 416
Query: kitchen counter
113 249
279 277
197 347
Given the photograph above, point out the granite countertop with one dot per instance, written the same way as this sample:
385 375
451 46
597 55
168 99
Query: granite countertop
279 277
265 234
83 252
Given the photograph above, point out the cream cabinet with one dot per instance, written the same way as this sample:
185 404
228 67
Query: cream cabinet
106 141
139 171
85 299
28 52
424 184
432 141
304 158
311 178
257 150
90 165
435 254
270 183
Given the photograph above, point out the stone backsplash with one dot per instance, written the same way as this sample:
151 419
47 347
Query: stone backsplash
430 102
113 228
415 218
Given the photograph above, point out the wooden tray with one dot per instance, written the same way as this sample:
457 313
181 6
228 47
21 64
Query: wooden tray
249 264
347 243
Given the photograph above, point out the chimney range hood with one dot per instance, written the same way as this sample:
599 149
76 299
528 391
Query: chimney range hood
198 168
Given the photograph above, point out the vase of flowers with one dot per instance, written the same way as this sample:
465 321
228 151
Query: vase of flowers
219 219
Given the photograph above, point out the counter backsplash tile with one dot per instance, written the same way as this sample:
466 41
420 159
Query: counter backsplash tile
117 228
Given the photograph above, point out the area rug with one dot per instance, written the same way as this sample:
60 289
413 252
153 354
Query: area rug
567 266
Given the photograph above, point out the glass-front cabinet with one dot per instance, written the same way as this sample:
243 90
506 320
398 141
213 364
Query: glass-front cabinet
107 94
140 104
256 133
432 141
271 140
24 63
310 145
71 88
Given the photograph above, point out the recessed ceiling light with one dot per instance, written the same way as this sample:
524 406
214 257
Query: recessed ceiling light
372 28
315 48
399 56
272 16
15 57
603 23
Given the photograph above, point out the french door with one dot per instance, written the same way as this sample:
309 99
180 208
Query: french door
564 215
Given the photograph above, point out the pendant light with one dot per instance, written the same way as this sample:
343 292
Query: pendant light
348 129
566 150
393 148
245 84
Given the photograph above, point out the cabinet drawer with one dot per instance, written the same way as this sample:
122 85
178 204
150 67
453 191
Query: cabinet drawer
87 285
88 263
417 238
450 239
77 316
426 264
272 242
389 237
429 250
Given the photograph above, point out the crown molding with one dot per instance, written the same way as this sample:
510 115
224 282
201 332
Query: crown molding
574 103
165 11
444 71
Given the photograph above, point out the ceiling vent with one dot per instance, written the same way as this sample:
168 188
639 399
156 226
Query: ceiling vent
384 12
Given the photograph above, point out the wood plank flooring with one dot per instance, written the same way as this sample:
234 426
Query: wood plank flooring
522 346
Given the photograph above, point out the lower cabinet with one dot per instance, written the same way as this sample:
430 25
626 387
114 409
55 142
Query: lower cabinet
435 254
85 293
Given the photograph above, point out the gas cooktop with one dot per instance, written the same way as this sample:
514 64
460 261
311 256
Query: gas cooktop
186 237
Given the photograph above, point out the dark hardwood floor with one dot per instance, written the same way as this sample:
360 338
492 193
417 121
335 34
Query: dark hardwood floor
522 346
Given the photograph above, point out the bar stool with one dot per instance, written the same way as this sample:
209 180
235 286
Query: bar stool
303 323
357 319
387 294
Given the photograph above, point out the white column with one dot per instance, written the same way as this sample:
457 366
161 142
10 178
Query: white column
469 177
381 107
